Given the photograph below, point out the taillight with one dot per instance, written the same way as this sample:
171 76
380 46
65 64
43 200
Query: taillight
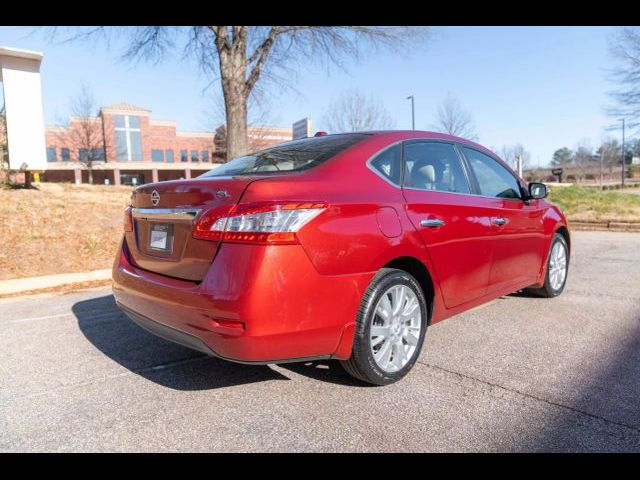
267 224
128 220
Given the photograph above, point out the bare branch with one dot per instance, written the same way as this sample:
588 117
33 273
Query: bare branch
624 46
274 52
453 119
355 112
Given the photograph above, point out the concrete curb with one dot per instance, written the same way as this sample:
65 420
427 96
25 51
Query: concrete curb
608 226
18 285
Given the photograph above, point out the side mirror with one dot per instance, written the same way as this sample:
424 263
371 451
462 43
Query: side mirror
537 190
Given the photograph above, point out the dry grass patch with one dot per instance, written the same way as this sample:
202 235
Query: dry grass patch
589 204
60 228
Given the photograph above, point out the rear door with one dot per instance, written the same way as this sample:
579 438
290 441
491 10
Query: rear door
454 224
517 224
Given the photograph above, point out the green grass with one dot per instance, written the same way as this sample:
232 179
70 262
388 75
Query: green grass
592 204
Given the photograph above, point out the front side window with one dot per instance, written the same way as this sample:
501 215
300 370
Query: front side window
387 163
434 166
494 180
51 154
128 138
288 157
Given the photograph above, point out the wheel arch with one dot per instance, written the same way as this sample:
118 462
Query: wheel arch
421 273
564 231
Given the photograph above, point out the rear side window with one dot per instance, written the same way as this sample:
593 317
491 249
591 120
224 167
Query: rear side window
288 157
494 180
387 164
434 166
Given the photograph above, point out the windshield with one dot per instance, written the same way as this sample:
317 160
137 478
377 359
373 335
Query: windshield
287 157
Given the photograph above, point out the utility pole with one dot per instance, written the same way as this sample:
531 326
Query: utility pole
601 164
413 113
623 153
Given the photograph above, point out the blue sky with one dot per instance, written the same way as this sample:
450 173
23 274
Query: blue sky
544 87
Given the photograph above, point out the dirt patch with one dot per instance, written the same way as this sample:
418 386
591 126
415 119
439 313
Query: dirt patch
60 228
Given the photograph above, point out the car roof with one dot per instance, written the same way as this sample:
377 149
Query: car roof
397 135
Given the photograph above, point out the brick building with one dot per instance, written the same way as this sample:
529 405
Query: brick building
126 146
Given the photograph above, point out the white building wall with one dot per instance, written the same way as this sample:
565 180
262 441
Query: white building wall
20 77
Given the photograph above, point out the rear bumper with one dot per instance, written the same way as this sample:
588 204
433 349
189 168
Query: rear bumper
257 304
195 343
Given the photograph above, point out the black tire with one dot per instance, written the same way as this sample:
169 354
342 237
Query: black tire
362 365
547 291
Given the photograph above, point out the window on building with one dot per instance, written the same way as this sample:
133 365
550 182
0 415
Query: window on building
205 156
194 156
65 153
51 154
128 138
157 155
97 154
183 156
168 156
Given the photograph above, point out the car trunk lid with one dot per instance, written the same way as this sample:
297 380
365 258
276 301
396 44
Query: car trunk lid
163 217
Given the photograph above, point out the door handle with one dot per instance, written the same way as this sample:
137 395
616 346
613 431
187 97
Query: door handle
500 221
432 223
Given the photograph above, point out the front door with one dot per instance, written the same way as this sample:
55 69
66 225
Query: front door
518 228
453 224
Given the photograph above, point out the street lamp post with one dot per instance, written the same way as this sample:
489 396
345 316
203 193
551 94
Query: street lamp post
623 153
413 113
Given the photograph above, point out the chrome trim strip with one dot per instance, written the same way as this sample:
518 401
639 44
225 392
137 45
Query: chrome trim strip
171 214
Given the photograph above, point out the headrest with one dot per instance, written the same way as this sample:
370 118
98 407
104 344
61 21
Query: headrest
423 176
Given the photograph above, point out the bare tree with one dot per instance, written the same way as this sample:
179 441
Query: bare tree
624 46
583 158
4 153
84 135
452 118
353 111
242 55
609 153
509 154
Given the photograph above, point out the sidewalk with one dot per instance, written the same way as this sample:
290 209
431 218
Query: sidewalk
17 285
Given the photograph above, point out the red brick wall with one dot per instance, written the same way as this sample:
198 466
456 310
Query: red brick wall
154 135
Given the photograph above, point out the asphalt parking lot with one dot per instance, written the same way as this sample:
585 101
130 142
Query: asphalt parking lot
520 374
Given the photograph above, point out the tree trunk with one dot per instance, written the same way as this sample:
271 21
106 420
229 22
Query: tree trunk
236 132
90 172
233 67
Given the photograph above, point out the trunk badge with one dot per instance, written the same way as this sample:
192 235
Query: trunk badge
222 194
155 198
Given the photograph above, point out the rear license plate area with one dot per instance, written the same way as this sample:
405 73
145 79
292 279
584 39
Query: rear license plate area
161 237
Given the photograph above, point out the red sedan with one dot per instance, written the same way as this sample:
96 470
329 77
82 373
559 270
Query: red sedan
339 247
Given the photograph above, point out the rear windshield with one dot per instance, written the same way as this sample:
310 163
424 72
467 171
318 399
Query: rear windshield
287 157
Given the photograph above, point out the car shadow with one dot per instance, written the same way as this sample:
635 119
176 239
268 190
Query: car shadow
174 366
158 360
604 415
328 371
